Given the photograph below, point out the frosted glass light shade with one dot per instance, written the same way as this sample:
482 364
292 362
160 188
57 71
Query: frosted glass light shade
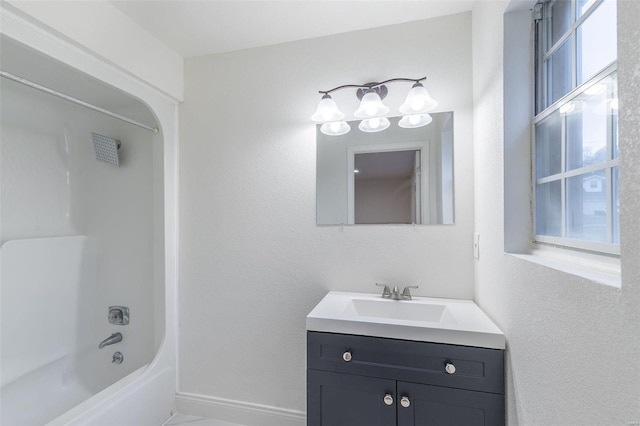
371 106
327 111
414 121
372 125
335 128
418 101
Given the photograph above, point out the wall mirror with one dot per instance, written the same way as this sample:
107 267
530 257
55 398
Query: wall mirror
397 176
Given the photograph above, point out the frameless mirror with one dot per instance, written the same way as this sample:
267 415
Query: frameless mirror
397 176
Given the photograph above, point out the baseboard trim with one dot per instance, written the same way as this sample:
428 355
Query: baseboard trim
240 412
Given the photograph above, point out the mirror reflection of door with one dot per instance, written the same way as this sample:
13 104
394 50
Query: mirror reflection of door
388 187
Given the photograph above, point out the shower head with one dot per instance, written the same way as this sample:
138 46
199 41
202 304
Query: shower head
106 149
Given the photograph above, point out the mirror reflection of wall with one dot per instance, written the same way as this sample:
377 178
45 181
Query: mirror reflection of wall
398 176
387 187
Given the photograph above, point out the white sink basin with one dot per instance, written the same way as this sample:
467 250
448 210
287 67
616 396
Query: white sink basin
399 310
453 321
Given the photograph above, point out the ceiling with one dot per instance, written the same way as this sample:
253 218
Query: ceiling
197 28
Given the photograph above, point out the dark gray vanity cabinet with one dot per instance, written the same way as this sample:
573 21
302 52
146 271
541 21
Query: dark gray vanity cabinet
372 381
338 399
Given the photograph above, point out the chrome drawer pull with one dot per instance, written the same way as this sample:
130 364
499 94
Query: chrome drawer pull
404 401
347 356
388 399
450 368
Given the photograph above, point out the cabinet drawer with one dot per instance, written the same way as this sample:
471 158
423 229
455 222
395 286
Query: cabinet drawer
476 369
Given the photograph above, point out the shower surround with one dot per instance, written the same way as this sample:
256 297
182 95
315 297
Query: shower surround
78 236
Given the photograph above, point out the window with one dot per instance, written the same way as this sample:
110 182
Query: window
575 145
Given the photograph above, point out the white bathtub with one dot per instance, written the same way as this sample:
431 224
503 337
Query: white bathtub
143 398
52 369
53 392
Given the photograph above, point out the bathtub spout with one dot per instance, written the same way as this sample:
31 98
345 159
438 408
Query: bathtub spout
114 338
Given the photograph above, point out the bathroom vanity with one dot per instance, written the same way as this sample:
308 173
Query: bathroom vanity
373 361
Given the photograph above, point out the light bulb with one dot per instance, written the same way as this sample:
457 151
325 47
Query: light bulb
335 128
417 104
371 106
376 124
414 121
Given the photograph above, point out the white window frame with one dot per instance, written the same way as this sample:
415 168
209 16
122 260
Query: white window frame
542 92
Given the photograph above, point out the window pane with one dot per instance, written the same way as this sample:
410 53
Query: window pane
597 41
549 209
587 206
612 104
560 19
582 6
588 125
616 206
549 146
558 68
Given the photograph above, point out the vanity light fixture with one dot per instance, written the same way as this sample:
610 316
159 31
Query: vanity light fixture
372 110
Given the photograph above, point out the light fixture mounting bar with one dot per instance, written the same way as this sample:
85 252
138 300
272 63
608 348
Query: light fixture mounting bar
372 85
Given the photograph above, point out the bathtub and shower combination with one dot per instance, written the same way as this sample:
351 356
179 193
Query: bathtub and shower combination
87 260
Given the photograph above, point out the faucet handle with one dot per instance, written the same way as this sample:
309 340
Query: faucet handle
386 293
406 294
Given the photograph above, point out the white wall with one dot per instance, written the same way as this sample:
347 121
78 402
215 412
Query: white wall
573 344
253 261
103 29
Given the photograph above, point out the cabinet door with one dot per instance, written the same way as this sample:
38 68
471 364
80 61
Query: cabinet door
336 399
435 405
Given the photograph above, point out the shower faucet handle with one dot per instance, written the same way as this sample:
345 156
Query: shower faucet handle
118 315
386 292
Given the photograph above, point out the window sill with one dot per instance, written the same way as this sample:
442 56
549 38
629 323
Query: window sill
598 269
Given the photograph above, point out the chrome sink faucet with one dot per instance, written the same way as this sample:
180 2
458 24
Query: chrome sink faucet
114 338
395 294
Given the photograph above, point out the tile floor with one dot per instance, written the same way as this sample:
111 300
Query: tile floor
186 420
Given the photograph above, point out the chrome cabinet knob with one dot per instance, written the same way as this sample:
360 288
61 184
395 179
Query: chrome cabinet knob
450 368
404 401
347 356
388 399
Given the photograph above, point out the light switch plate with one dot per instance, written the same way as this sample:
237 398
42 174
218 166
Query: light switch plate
476 245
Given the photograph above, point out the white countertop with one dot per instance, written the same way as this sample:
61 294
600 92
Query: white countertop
426 319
